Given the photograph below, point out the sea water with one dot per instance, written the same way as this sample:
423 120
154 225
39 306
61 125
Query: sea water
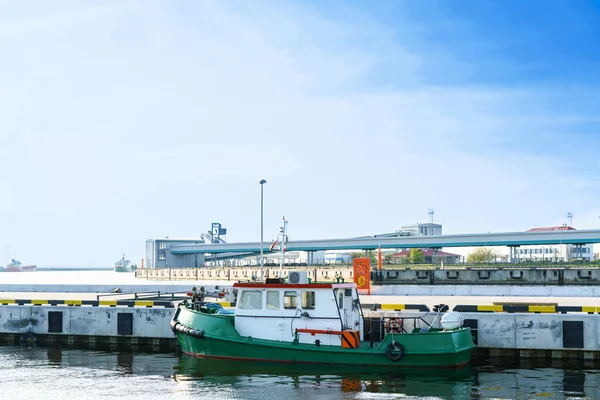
61 373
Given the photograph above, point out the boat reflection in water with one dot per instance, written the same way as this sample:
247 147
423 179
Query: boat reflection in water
444 383
93 373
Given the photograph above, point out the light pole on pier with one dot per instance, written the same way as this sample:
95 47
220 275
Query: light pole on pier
262 183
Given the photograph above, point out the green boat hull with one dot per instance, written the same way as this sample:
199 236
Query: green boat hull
219 339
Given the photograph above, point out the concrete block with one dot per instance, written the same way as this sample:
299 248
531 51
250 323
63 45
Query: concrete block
535 331
495 330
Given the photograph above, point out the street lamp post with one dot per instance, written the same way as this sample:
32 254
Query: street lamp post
262 183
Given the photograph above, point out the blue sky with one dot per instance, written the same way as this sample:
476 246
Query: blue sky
128 120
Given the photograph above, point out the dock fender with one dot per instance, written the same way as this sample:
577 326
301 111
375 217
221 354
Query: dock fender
28 339
394 351
186 330
194 333
173 325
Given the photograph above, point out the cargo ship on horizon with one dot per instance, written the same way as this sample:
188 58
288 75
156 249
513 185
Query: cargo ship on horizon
16 266
124 265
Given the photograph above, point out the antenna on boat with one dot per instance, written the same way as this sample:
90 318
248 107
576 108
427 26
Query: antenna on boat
284 239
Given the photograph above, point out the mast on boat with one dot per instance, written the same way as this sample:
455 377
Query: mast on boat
284 239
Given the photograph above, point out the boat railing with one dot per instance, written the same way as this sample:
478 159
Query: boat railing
379 327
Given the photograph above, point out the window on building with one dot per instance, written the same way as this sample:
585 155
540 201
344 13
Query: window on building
308 300
162 251
273 300
290 299
251 300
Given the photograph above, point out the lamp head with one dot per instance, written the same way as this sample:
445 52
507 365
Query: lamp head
262 182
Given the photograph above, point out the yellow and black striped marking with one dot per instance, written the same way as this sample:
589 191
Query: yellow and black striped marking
350 339
527 308
396 307
93 303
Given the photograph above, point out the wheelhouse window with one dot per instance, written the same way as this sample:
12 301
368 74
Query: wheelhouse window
251 300
308 300
273 300
341 300
290 299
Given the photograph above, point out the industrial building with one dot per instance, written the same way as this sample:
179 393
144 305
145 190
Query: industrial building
554 244
558 252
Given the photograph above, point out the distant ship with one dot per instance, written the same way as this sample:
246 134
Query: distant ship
15 266
124 265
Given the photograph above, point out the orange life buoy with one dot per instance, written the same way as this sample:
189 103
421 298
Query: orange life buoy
393 325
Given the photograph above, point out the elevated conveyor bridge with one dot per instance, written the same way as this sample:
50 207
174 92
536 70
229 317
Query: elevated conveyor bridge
575 237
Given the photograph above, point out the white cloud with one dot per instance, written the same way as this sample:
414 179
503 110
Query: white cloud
164 119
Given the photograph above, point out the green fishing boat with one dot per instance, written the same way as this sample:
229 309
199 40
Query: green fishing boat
310 323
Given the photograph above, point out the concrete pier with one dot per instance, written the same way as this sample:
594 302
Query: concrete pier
505 320
71 324
507 274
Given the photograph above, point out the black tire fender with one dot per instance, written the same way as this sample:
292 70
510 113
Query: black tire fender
390 348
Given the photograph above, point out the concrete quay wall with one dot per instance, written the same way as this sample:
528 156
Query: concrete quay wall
525 334
132 325
530 335
447 276
507 291
320 274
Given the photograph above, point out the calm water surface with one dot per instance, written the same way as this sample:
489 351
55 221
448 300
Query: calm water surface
56 373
